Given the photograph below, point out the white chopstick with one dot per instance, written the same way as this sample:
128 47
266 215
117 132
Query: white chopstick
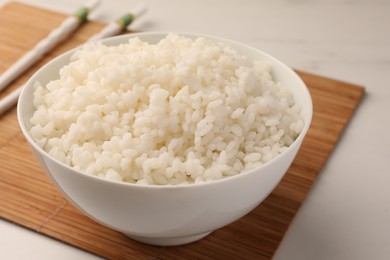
120 25
10 100
45 45
111 29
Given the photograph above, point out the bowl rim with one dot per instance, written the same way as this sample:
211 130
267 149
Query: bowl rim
161 34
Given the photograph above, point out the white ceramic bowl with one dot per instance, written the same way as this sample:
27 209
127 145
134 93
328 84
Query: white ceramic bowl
167 215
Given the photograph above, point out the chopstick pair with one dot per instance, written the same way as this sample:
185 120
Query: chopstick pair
55 37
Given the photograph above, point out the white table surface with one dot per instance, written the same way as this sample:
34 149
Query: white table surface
347 213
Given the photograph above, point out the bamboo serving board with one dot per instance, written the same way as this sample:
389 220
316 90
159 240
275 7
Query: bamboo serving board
27 197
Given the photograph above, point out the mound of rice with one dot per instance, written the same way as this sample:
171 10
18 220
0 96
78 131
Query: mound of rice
180 111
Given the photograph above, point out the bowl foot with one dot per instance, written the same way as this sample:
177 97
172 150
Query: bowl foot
168 241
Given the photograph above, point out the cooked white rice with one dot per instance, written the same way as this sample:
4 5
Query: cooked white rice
179 111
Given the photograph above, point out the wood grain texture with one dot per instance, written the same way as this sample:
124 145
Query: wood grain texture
27 197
